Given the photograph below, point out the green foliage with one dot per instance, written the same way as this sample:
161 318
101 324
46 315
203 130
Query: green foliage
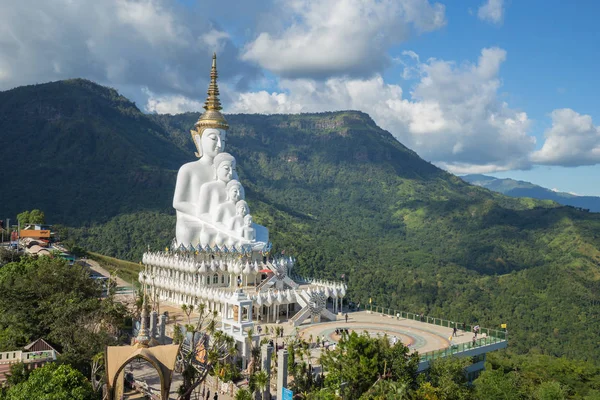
53 382
517 376
243 394
18 373
446 379
31 217
359 360
48 298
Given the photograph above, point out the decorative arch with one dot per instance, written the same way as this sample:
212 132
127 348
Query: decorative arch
162 359
163 384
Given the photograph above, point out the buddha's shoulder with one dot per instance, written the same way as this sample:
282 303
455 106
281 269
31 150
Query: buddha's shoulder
189 167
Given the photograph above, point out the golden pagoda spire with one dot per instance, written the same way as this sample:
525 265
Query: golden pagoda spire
143 337
212 101
212 117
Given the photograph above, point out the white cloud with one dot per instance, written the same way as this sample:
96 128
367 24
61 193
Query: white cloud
149 43
492 11
323 38
453 117
573 140
170 104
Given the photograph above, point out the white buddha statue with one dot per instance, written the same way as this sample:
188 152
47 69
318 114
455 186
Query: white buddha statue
226 210
237 221
248 231
214 193
201 186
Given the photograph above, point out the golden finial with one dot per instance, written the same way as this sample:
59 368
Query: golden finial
212 117
212 101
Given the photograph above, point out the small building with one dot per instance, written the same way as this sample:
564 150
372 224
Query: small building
34 355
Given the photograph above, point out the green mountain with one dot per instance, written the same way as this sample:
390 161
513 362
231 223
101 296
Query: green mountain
82 153
336 191
514 188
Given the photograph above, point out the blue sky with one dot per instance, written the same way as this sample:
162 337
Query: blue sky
500 87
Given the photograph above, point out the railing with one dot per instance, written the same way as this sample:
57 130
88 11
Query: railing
496 333
459 348
488 336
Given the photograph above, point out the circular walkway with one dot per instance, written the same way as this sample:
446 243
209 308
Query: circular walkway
416 335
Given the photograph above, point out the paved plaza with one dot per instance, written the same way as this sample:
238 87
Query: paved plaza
418 336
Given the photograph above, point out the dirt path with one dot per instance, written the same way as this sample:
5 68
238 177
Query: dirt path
96 267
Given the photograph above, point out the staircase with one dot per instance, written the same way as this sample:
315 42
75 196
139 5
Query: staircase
268 282
300 316
329 315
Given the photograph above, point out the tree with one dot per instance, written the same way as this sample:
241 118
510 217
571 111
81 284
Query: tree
18 374
550 390
358 361
204 349
497 385
55 382
261 380
446 379
188 309
243 394
45 297
31 217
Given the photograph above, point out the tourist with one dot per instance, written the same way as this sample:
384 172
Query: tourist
454 331
208 394
474 340
216 396
358 306
346 316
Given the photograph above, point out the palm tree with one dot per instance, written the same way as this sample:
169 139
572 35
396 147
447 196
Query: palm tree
262 380
243 394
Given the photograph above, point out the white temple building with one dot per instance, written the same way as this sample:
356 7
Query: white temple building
220 257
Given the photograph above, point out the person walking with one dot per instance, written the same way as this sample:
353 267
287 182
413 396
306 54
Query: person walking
216 396
454 331
208 394
346 316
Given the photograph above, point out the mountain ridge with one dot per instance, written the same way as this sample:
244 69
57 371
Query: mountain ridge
518 188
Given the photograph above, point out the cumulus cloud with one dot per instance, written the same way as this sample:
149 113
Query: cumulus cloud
573 140
324 38
170 104
452 117
492 11
149 43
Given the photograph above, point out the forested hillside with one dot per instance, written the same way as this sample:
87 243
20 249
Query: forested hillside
337 192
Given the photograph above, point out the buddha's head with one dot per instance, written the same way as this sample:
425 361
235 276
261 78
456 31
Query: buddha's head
210 132
210 142
224 165
241 208
234 190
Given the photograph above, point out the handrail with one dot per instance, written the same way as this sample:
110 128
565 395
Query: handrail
496 333
459 348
